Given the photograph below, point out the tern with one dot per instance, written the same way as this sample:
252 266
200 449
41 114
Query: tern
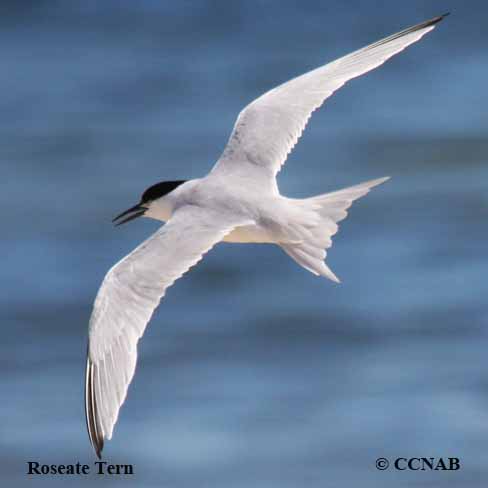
238 201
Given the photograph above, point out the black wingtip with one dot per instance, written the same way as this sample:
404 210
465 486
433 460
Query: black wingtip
91 411
436 20
430 22
98 450
408 30
98 447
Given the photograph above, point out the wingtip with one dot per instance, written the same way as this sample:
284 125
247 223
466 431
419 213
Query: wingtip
437 19
98 450
427 23
95 431
376 182
382 180
98 444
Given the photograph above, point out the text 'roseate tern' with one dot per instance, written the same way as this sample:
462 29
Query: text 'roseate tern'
238 201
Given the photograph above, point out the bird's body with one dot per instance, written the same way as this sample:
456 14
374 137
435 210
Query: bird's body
209 193
273 218
237 202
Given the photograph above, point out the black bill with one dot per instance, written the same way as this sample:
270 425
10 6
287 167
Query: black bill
130 214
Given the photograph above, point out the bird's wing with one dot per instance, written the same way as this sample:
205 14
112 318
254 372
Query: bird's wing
130 292
267 129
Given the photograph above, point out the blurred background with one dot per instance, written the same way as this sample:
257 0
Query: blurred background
253 372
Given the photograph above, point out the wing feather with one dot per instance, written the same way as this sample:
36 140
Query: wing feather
267 129
130 292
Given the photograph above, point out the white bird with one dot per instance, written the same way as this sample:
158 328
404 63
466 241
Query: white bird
238 201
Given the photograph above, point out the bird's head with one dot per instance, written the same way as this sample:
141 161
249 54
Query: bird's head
151 198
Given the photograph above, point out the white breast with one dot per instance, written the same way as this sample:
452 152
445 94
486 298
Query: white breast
248 233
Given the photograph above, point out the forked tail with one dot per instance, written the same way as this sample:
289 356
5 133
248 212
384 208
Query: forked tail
316 232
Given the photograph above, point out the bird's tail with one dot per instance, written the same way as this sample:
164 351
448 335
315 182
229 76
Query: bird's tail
321 214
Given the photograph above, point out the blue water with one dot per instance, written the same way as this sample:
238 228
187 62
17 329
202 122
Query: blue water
253 372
